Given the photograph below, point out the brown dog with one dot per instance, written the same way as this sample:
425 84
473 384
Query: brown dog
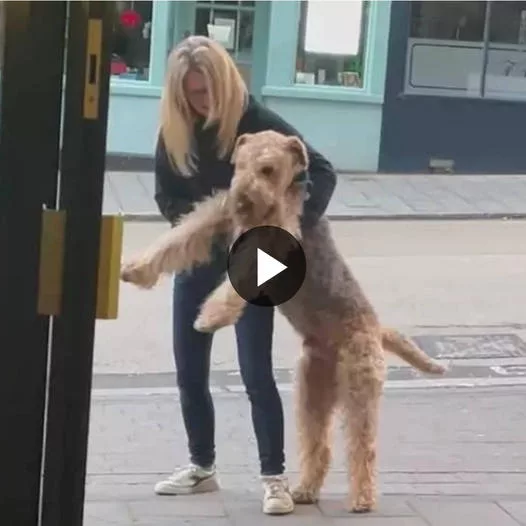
343 363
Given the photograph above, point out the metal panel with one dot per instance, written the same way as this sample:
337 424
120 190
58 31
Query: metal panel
51 263
108 281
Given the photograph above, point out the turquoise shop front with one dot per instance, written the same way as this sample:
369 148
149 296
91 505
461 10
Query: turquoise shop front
319 63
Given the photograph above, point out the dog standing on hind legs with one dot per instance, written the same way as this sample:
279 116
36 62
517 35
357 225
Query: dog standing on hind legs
342 367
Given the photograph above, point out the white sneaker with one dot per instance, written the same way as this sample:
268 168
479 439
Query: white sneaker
187 480
277 499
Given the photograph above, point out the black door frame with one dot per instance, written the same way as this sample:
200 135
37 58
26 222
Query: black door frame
29 160
29 145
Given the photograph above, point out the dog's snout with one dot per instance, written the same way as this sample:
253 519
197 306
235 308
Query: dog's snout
250 199
244 195
244 201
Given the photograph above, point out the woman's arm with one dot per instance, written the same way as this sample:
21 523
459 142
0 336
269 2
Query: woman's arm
170 195
321 181
320 177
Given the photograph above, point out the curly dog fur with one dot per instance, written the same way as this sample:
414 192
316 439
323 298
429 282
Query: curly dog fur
343 364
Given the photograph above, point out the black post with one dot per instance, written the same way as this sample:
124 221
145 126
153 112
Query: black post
29 144
81 192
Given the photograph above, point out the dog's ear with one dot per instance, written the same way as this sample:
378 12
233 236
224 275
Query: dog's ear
241 140
299 151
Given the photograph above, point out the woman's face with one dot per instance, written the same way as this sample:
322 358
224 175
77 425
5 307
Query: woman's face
196 92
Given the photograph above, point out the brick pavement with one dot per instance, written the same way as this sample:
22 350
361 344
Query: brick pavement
365 196
448 457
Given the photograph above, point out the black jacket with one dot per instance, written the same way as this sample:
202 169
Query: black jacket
176 195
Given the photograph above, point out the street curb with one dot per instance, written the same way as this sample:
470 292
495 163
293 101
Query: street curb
423 384
157 218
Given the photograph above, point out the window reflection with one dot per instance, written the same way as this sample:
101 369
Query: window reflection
448 20
132 41
447 55
331 43
505 75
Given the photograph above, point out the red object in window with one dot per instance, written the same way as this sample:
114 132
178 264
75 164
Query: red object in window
130 19
118 67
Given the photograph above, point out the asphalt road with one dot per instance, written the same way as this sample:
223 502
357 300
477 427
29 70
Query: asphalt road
459 285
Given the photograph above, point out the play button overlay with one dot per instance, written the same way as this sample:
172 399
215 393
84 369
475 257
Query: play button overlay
266 266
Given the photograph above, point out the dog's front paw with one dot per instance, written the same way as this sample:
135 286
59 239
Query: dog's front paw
139 272
204 325
213 316
304 495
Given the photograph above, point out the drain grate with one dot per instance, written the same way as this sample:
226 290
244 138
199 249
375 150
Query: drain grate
465 346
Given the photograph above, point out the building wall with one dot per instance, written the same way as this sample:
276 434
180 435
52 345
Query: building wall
478 135
344 123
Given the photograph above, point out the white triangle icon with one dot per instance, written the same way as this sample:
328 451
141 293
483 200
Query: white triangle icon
267 267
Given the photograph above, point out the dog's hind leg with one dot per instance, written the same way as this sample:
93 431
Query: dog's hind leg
223 307
187 244
361 378
316 395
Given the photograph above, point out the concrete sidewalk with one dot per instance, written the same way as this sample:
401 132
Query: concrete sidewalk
446 458
364 196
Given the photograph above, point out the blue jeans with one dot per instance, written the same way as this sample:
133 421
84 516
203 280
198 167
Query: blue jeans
192 349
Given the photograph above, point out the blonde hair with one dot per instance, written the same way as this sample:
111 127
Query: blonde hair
228 98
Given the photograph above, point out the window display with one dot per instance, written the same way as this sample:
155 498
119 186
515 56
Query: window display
331 43
232 24
132 40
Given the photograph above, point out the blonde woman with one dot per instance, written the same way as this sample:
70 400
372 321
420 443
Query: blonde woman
205 107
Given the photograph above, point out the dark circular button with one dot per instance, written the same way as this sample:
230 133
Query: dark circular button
266 266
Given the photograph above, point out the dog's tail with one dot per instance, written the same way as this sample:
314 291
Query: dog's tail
398 344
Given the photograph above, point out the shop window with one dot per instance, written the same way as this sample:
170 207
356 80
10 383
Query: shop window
132 40
467 49
231 23
331 43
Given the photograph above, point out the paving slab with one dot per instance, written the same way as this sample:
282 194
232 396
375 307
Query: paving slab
107 514
131 193
447 513
363 196
516 509
445 457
